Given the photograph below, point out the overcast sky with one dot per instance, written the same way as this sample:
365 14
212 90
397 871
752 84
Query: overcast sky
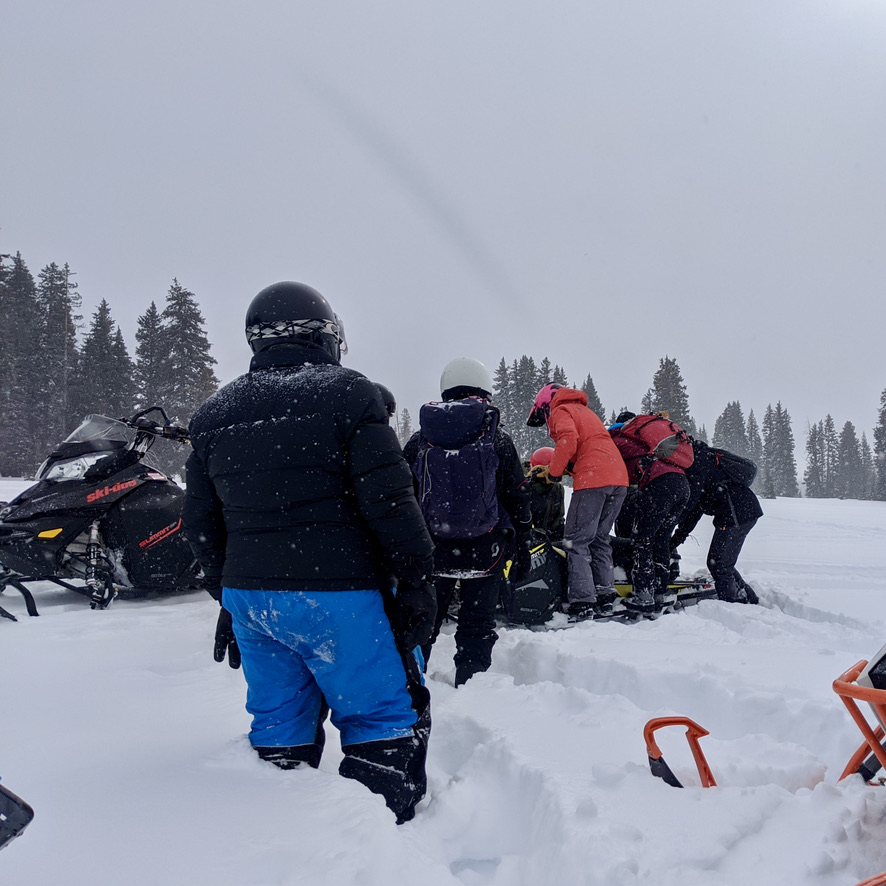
602 183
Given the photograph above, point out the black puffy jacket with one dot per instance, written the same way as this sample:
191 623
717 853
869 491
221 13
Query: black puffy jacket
296 481
711 492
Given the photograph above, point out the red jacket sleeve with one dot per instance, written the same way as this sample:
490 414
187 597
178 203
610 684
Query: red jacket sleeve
565 435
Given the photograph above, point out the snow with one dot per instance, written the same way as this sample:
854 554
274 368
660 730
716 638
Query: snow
130 743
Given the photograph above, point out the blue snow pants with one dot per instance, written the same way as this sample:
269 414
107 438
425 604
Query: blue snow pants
299 647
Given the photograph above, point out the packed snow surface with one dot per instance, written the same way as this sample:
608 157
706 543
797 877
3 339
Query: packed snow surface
130 743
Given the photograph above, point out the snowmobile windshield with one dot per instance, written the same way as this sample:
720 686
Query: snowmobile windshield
93 439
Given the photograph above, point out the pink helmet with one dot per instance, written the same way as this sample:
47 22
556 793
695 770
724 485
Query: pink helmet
541 456
541 408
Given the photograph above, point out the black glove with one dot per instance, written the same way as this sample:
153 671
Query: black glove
225 641
415 610
211 581
523 565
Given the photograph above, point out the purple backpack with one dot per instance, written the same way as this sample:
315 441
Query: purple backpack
456 468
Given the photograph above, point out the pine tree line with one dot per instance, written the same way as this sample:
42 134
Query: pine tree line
838 465
51 375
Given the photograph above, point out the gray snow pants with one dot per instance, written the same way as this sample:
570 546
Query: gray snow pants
588 552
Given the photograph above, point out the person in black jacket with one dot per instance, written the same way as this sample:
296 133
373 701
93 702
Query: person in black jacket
735 509
474 563
301 511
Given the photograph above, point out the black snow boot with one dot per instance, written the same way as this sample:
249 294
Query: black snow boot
394 768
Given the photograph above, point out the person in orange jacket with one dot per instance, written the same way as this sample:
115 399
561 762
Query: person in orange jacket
584 449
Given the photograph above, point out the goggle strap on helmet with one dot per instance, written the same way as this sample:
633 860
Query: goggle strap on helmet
294 328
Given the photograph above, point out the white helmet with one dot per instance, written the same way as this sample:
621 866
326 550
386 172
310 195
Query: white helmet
466 373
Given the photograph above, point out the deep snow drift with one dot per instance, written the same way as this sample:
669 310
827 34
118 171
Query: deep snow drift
130 743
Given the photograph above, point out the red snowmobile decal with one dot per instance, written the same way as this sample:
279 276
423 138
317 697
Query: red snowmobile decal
108 490
160 535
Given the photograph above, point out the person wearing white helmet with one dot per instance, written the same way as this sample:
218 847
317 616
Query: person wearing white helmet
475 499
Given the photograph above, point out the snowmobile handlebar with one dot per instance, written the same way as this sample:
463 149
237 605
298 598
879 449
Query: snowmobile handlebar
167 429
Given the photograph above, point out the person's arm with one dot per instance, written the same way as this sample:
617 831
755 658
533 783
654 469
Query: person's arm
203 523
513 486
383 487
565 436
691 513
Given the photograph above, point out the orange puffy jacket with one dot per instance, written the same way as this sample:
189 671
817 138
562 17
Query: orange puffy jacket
582 444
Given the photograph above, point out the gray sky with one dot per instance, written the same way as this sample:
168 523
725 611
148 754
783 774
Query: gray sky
600 183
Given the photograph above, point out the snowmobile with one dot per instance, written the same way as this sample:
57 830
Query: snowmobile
15 816
534 600
100 520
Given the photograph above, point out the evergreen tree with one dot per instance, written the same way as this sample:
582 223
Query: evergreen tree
849 480
404 426
559 376
813 476
880 449
779 464
103 380
503 398
149 362
830 456
668 394
730 430
125 388
755 446
702 434
545 373
868 469
58 301
22 446
594 402
187 378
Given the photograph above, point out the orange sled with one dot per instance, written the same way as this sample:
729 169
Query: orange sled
853 686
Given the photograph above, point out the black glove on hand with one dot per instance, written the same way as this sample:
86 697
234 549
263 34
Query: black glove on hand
415 610
225 641
523 566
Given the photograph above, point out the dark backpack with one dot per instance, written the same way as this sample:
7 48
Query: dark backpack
736 468
456 468
664 440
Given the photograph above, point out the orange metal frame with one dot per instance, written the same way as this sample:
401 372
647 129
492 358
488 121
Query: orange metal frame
693 733
850 693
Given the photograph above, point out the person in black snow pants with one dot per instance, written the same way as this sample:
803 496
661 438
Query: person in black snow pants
301 511
475 497
735 509
654 510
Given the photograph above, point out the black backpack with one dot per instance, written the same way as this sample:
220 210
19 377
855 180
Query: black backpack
456 468
736 468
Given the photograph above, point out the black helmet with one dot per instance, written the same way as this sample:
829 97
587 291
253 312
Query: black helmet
293 313
387 397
